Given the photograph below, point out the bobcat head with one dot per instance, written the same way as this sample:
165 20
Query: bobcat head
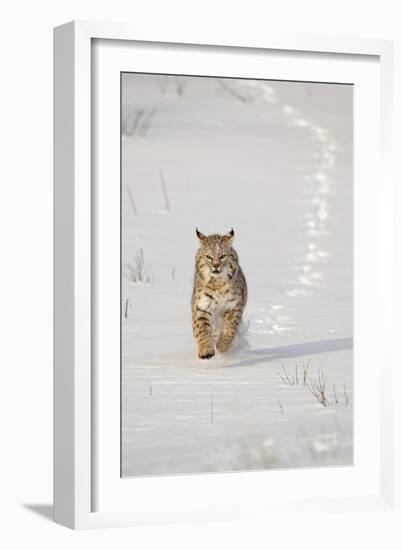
216 257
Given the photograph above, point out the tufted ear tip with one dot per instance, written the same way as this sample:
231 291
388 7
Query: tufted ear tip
230 235
200 235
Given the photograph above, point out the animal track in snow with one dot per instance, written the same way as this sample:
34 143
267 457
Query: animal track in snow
317 191
270 320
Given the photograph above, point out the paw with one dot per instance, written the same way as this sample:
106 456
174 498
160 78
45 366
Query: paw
223 344
206 353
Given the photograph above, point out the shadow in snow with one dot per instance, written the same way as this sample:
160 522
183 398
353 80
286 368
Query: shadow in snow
294 350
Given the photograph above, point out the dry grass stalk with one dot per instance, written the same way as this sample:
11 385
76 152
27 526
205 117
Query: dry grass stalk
318 388
165 191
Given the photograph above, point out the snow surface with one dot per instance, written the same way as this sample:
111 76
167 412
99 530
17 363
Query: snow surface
274 161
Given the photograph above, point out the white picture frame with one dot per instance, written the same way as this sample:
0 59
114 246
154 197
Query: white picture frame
87 491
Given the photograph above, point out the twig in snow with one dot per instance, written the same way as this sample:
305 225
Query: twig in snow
165 191
232 91
305 370
130 120
136 272
137 121
162 83
346 396
181 84
131 200
285 378
295 379
146 122
335 395
318 388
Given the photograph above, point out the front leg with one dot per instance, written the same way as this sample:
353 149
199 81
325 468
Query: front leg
203 333
232 319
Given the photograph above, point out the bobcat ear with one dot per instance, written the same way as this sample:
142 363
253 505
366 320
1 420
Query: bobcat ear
200 236
229 236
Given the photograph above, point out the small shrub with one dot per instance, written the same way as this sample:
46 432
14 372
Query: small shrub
317 386
136 272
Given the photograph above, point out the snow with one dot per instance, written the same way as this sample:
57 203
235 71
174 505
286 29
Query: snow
274 161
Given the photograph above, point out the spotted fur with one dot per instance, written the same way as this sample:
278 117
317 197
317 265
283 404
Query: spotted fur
219 294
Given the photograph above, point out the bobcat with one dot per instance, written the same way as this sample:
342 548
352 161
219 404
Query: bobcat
219 294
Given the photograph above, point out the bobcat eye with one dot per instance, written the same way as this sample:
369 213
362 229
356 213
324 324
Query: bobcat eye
208 257
223 257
